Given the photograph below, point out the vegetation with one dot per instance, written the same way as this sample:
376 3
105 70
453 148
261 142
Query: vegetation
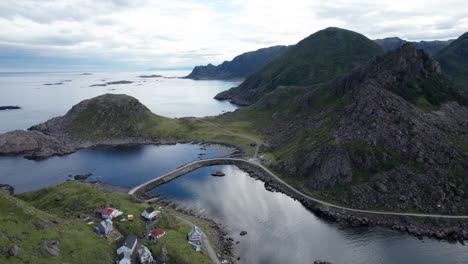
454 61
60 205
318 58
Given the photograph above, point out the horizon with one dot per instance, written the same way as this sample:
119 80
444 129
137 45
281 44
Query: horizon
122 35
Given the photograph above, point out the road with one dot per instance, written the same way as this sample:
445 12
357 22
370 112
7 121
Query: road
257 142
254 163
206 242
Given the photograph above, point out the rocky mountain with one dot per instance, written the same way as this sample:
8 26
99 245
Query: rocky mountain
110 119
318 58
240 67
390 135
430 47
454 60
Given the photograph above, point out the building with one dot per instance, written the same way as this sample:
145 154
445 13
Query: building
104 227
195 238
123 258
157 233
150 213
128 244
144 255
109 213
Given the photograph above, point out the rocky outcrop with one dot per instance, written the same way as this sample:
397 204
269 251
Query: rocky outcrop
7 188
51 247
373 144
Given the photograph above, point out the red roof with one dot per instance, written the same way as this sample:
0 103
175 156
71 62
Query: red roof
107 211
157 232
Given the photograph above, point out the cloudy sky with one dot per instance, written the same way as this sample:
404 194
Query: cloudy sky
140 34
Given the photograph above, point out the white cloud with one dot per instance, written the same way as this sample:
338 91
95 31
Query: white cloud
187 32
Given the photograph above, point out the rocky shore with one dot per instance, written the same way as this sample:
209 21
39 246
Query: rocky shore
451 230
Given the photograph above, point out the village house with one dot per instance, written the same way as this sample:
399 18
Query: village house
108 212
150 213
144 255
123 258
157 233
104 227
128 244
195 238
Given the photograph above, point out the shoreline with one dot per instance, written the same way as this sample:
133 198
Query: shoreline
441 229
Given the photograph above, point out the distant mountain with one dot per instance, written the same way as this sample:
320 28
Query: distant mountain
320 57
371 139
454 60
430 47
240 67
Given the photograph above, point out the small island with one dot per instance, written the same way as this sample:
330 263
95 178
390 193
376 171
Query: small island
9 107
59 83
150 76
112 83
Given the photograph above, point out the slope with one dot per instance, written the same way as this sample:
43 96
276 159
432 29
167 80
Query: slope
240 67
320 57
454 61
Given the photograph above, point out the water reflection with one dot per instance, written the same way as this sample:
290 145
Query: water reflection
281 230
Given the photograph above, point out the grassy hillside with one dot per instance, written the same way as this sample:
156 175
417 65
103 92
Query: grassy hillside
454 61
58 206
320 57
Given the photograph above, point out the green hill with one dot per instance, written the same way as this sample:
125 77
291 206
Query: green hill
240 67
430 47
318 58
454 61
51 214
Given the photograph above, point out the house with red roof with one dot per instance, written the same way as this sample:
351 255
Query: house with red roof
109 213
157 233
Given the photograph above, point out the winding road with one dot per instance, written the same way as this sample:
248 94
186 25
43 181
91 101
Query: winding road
209 162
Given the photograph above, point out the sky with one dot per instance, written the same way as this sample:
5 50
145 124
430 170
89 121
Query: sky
86 35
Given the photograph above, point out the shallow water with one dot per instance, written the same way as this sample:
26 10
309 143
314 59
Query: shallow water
281 230
163 96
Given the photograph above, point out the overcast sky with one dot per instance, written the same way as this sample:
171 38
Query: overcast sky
141 34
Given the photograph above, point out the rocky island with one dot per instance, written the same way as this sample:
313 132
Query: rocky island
9 107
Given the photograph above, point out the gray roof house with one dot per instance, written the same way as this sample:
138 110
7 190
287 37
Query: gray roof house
150 213
123 258
144 255
195 238
128 244
104 227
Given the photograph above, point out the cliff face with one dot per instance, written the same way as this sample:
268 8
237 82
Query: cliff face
318 58
388 135
240 67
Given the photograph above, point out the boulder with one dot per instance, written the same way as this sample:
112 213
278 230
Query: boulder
51 247
14 250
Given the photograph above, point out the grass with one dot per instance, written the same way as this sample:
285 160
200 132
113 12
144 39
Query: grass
76 237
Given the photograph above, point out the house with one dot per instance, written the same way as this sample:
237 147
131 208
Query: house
104 227
128 244
144 255
123 258
150 213
109 213
157 233
130 217
195 238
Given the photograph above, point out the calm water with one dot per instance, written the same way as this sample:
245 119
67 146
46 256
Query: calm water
281 230
126 166
163 96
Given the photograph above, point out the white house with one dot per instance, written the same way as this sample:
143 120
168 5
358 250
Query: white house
144 255
150 213
195 238
109 213
128 244
104 227
123 258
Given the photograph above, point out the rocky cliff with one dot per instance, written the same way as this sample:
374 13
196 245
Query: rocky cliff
389 135
240 67
318 58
